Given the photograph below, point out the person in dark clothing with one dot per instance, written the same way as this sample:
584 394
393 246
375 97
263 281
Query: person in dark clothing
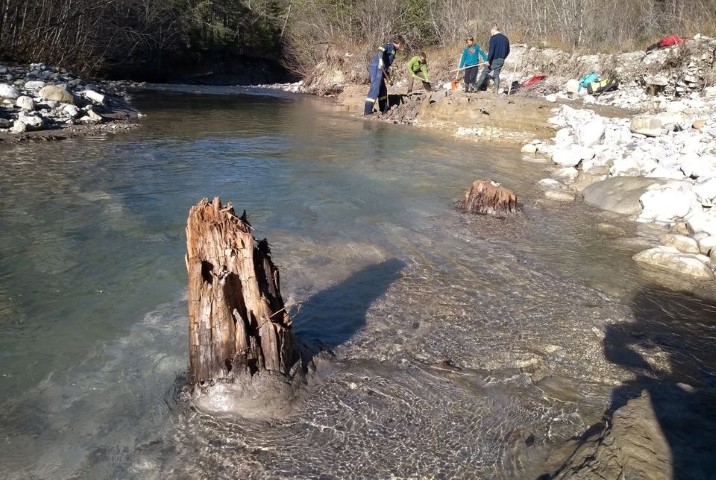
498 51
470 59
379 66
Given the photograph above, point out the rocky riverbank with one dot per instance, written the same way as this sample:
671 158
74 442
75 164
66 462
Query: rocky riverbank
42 103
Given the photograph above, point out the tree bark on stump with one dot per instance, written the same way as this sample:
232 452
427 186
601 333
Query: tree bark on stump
489 198
238 324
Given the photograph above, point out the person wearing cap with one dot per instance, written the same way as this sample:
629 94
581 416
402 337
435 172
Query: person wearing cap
378 69
499 49
418 69
471 55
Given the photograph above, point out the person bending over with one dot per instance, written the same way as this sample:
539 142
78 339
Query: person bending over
379 66
418 69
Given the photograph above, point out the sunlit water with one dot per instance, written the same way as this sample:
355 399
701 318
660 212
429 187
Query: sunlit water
543 313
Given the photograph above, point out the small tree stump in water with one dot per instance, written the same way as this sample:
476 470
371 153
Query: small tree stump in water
238 324
488 198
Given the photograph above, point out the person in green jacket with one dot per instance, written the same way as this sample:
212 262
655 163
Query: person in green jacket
418 68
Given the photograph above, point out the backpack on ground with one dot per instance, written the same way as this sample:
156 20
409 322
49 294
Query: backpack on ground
588 78
602 86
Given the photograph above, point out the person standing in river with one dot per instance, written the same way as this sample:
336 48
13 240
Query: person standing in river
379 66
499 50
470 59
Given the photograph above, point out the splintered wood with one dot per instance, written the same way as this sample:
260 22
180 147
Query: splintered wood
489 198
238 323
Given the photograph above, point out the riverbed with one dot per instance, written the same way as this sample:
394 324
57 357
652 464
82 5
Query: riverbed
546 318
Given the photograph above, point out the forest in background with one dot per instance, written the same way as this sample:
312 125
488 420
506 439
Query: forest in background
140 39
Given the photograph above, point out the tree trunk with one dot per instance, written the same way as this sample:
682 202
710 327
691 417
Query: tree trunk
489 198
238 324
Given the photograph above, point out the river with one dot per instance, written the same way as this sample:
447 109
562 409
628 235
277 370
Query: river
547 317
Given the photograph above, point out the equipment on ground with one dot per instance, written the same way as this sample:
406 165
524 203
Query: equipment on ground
602 86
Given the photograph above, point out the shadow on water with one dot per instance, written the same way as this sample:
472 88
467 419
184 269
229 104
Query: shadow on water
681 328
333 316
669 347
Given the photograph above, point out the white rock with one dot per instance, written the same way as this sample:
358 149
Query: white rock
91 117
8 91
566 175
669 258
564 137
529 148
666 203
700 221
34 85
591 132
25 103
571 156
619 194
572 86
33 122
655 125
18 127
680 242
560 196
71 111
698 166
667 172
617 135
95 97
545 149
706 191
707 244
625 167
57 94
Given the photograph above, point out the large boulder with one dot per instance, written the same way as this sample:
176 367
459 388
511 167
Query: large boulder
619 194
672 260
53 92
673 200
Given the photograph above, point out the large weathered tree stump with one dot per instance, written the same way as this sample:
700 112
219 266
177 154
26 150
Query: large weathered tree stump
489 198
238 324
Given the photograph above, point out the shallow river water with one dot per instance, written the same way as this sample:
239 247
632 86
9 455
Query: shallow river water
547 317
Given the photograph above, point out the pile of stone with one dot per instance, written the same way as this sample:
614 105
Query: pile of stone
659 167
37 97
646 80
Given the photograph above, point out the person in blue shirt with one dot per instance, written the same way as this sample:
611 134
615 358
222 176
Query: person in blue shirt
470 60
499 50
379 66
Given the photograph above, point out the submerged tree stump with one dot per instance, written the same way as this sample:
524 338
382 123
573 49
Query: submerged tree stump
489 198
238 324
